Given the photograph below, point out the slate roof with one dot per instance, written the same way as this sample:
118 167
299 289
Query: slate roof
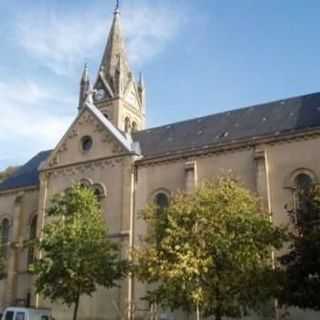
274 118
27 175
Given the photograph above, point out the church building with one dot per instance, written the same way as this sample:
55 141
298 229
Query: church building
274 149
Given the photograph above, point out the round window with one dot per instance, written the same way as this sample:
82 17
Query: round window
86 143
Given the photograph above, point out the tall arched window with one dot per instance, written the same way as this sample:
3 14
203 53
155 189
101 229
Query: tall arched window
161 201
127 124
303 184
302 213
5 233
32 237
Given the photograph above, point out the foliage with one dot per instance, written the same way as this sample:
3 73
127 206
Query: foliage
7 173
302 262
215 251
78 256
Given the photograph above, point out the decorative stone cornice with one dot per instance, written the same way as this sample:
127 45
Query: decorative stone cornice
85 166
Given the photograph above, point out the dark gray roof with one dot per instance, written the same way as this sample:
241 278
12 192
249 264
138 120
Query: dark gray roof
27 175
274 118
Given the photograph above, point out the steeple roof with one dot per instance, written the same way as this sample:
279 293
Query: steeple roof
115 59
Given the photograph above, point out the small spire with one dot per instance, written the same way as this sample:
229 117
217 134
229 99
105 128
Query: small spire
85 86
85 74
117 7
141 80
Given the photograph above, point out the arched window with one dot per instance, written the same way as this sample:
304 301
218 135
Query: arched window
32 237
161 201
85 183
303 184
303 214
5 233
99 191
134 126
33 228
127 124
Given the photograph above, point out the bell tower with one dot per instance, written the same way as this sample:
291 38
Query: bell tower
117 94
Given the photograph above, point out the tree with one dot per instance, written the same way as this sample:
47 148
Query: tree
214 255
7 173
302 261
77 254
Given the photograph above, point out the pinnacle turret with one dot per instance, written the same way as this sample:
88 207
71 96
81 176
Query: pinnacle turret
85 86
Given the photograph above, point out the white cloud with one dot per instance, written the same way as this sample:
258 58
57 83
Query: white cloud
149 29
63 42
25 125
59 43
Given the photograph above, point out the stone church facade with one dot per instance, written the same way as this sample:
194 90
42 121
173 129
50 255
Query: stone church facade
271 147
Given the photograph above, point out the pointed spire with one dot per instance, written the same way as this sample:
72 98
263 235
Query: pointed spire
85 86
115 51
141 81
85 74
142 92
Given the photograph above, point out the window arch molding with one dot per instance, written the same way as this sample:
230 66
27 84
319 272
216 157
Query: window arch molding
6 216
100 190
290 180
98 187
32 216
87 182
154 194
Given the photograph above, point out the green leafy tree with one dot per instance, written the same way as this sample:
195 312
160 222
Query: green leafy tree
214 254
7 173
77 254
302 261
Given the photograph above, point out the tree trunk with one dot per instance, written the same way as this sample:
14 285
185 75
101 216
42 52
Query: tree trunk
198 312
218 315
76 307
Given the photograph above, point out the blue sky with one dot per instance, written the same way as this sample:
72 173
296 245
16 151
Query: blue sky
198 57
